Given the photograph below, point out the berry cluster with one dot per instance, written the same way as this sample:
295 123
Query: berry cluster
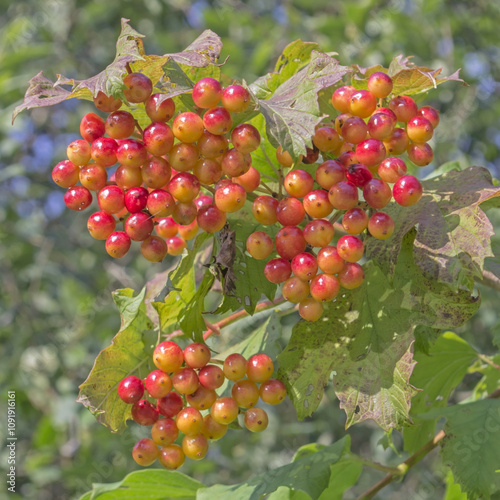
177 179
364 142
162 174
185 401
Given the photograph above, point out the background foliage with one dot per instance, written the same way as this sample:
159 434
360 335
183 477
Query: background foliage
56 310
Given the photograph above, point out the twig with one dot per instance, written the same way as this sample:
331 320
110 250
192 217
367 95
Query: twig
232 318
405 466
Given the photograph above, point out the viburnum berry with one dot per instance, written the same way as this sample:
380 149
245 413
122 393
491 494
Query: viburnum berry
310 309
120 125
139 226
304 266
234 163
195 447
170 405
298 183
290 212
211 145
196 355
420 154
319 232
407 190
362 103
213 430
380 84
404 108
256 419
431 114
329 260
259 245
245 138
211 219
317 204
130 389
330 172
397 142
168 356
138 87
327 140
377 193
65 174
249 181
211 376
164 431
272 391
106 103
295 290
355 221
136 199
184 212
78 152
343 195
324 287
145 452
260 367
350 248
144 413
264 210
92 127
245 393
158 384
207 93
202 398
391 169
230 198
158 138
289 242
159 108
225 410
154 249
381 225
189 421
351 276
187 127
77 198
235 98
341 98
183 157
118 244
171 456
235 367
128 177
101 225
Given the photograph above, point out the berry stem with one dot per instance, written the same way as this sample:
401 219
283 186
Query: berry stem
336 214
405 466
208 188
266 188
138 127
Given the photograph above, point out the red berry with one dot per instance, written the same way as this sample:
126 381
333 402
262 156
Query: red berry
260 368
118 244
158 384
277 270
144 413
77 198
145 452
168 357
211 377
404 108
304 266
170 405
101 225
235 98
207 93
138 87
380 84
130 389
324 287
235 367
159 108
329 260
352 276
318 233
196 355
350 248
290 212
407 191
289 242
381 225
211 219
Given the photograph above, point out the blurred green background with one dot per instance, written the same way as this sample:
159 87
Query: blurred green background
56 310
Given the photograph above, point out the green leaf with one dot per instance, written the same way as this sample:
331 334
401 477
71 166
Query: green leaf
453 490
128 305
407 78
309 474
191 319
44 92
264 158
148 484
125 356
295 55
285 493
343 475
264 339
366 336
249 284
183 290
292 112
453 232
471 446
436 374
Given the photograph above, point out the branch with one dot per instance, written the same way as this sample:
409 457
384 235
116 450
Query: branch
405 466
216 327
489 280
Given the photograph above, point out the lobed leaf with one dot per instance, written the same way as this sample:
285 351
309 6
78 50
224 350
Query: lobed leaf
437 374
125 356
470 447
407 77
309 474
292 112
366 337
453 232
151 484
